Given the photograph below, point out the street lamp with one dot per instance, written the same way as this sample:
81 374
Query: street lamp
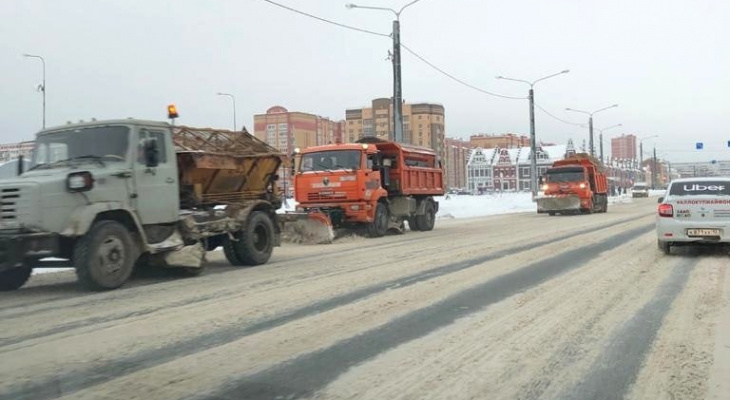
600 138
590 122
234 107
42 87
533 142
397 87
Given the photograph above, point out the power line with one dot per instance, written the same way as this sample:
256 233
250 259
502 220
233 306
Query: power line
457 79
558 118
326 20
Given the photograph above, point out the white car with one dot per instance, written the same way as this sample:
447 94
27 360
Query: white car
695 210
640 189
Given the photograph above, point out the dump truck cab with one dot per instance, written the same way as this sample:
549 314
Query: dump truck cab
341 180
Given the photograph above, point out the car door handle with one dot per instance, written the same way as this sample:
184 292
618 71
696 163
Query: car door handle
170 180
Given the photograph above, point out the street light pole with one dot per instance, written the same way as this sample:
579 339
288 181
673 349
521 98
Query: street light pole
600 138
641 153
397 85
533 140
234 107
42 88
590 123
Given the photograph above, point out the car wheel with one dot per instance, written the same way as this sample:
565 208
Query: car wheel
665 247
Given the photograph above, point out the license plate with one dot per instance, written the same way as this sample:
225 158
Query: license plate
703 232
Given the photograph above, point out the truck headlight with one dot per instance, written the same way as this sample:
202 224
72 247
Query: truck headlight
582 186
79 181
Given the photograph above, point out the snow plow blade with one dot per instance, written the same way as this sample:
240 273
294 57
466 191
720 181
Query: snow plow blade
307 228
557 204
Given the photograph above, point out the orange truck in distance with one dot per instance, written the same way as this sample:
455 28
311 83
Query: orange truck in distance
375 184
573 185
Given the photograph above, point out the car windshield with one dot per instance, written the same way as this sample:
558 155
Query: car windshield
700 188
639 187
331 160
565 175
99 143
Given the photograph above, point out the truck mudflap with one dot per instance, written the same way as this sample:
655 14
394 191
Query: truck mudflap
307 227
546 204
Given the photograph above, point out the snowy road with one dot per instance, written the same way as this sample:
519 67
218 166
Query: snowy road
518 306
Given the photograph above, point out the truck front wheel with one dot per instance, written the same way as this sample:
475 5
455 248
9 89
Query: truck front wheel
104 257
379 226
13 279
426 221
254 244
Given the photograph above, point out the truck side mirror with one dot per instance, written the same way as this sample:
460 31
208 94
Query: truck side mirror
151 153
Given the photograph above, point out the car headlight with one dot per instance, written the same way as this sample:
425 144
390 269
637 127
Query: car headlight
79 181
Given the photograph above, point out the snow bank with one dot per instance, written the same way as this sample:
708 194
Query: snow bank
460 206
657 192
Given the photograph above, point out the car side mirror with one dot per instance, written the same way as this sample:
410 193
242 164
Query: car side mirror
660 200
151 153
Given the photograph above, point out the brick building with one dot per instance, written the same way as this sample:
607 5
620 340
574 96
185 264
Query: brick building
624 147
423 123
505 141
456 156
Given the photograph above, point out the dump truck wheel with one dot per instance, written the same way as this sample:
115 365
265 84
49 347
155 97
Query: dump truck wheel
428 219
13 279
413 224
255 243
103 258
379 226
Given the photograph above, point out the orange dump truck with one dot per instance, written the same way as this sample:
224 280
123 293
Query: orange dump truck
374 183
575 184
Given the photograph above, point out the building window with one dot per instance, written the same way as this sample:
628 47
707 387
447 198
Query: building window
349 122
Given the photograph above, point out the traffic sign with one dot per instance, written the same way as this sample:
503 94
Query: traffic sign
700 145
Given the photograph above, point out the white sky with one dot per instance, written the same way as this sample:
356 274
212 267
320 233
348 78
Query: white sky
665 62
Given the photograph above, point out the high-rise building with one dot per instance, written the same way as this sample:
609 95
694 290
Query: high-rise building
423 123
456 156
505 141
287 130
624 147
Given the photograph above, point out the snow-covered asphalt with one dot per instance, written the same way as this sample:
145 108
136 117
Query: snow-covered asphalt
515 306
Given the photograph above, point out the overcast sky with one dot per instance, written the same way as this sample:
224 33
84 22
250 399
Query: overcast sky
665 62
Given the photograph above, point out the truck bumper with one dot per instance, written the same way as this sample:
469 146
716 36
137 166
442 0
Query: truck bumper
342 213
16 249
548 204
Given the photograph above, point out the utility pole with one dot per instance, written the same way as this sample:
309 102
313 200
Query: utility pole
653 171
590 135
533 145
397 87
533 139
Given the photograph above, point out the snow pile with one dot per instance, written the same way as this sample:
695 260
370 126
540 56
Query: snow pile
624 198
657 192
461 206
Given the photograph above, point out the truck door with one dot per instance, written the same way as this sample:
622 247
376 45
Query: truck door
156 198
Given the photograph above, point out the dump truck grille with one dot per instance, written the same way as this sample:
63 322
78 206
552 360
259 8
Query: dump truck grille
9 199
325 196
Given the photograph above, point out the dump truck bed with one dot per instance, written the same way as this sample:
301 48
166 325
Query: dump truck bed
224 167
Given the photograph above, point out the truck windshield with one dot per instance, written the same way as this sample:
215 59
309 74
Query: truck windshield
96 144
565 175
331 160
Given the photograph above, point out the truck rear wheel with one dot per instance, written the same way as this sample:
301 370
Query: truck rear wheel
428 219
13 279
103 258
413 224
379 226
254 244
